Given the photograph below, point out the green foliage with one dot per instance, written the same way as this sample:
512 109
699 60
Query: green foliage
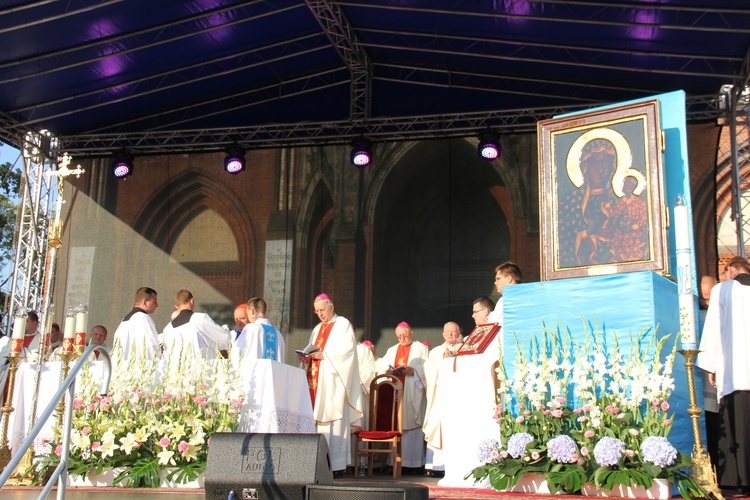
142 474
566 477
10 182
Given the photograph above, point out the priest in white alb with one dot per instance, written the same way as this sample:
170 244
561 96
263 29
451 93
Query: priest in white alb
193 334
333 381
259 339
406 360
136 335
432 427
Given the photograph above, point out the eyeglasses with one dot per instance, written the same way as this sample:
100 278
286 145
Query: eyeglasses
479 311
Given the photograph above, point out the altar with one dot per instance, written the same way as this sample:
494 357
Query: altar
635 307
276 398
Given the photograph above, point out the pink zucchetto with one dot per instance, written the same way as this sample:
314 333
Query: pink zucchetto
322 296
367 343
404 324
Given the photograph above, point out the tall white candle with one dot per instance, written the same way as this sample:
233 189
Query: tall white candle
686 297
19 327
81 317
70 327
681 225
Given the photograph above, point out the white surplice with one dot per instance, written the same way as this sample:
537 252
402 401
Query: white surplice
137 336
201 335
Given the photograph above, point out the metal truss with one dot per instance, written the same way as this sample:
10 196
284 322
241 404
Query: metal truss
340 32
737 100
705 107
40 151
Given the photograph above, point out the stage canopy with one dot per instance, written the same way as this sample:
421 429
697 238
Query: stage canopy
167 76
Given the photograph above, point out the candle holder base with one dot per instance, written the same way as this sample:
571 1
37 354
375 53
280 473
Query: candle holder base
4 456
702 471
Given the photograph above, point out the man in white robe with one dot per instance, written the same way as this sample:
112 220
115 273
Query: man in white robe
55 342
259 339
29 352
724 354
333 380
136 335
506 274
193 334
406 359
434 465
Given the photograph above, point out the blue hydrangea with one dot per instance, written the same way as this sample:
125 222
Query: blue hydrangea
517 444
608 451
562 449
486 449
658 451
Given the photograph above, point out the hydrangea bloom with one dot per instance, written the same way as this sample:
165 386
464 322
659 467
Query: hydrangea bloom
488 449
562 449
658 451
517 444
608 451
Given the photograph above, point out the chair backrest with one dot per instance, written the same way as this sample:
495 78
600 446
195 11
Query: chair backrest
386 398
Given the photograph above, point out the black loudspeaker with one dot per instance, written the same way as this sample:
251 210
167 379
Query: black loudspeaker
265 466
367 491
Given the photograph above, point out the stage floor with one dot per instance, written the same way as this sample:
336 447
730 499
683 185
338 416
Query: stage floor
436 492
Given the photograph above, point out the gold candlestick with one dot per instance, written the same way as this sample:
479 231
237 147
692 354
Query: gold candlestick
703 472
7 409
66 356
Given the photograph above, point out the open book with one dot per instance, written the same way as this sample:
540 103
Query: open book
311 348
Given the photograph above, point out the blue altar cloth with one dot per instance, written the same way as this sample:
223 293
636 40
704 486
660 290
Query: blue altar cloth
620 303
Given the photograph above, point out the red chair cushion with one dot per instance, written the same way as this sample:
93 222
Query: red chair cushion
377 434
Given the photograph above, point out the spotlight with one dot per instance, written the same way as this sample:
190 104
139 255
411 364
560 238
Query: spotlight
234 162
361 152
122 165
489 146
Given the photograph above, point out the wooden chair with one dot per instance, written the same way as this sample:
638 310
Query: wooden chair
384 434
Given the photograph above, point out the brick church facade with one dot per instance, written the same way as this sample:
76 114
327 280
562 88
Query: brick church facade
413 237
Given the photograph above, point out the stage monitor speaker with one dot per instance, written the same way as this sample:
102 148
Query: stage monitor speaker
265 466
368 491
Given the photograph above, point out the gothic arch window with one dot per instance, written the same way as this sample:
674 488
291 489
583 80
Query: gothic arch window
207 244
194 215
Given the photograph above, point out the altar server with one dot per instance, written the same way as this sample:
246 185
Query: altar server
333 381
136 335
259 339
195 332
406 360
725 350
506 274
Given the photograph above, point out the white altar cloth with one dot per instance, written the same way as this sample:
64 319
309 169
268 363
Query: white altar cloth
276 398
467 401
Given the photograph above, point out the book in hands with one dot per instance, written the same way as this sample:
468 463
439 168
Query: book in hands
311 348
398 371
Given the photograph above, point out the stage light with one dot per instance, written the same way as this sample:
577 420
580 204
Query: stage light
489 146
122 165
361 152
234 162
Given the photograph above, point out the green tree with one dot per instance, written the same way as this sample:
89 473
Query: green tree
10 183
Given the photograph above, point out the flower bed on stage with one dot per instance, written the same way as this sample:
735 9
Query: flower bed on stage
146 431
587 416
